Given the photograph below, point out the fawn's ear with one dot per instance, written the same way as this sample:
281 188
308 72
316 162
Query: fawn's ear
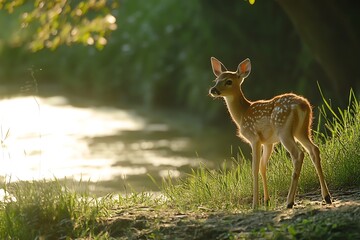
244 68
217 66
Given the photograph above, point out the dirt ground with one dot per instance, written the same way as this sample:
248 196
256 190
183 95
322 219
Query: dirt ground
309 219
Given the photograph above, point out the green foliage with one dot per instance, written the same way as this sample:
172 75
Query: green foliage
65 22
159 54
158 57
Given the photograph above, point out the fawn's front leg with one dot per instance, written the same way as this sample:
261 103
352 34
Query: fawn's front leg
267 150
256 151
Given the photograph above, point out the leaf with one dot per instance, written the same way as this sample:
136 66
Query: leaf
54 21
251 2
291 229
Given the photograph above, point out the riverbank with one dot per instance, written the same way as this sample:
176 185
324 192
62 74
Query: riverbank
48 210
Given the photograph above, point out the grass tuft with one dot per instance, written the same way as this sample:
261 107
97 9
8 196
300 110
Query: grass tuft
341 143
215 189
51 210
48 210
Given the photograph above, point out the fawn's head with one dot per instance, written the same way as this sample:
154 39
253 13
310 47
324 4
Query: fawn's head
227 83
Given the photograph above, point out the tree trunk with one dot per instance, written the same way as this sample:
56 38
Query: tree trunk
330 36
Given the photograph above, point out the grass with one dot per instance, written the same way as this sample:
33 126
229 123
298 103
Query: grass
48 210
51 210
341 142
331 227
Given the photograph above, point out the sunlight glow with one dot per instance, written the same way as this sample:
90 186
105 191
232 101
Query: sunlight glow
47 138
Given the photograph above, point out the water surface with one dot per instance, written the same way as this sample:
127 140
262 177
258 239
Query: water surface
112 149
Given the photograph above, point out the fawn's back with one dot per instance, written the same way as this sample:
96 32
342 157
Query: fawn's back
265 119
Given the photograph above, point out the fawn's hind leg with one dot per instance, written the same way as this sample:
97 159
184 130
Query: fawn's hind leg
314 153
297 157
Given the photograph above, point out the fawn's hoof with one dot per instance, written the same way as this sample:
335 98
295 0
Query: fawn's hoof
327 199
290 205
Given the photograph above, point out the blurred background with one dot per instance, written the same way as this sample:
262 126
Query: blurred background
139 103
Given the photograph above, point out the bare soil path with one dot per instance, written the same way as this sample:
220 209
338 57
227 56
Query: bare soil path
309 219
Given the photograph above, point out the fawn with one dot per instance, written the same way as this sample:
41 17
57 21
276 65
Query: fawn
285 118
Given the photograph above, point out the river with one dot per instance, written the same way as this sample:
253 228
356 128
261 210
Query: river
108 148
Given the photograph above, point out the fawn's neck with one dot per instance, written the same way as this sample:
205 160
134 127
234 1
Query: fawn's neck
237 106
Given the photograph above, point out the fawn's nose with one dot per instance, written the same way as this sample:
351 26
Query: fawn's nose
214 91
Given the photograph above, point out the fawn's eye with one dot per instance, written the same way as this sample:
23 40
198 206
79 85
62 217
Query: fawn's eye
228 82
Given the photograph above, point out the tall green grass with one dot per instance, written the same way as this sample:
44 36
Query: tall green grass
231 186
48 210
341 143
55 210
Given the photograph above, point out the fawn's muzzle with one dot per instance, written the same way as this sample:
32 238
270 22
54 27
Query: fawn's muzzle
214 92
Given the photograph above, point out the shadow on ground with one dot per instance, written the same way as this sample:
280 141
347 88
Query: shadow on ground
310 219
